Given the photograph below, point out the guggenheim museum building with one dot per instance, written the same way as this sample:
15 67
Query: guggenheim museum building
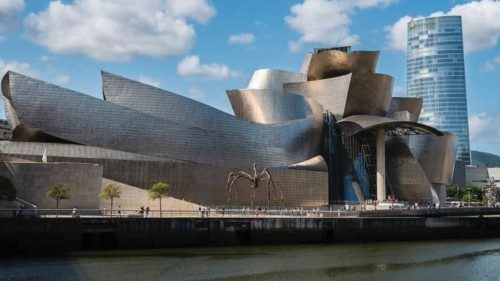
329 133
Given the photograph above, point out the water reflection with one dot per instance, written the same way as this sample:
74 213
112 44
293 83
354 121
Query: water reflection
437 260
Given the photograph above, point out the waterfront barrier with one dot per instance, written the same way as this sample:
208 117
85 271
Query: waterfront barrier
27 235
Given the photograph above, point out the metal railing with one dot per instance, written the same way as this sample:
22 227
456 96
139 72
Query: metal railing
204 213
219 213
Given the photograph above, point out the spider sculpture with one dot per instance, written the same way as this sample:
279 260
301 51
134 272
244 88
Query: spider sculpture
255 179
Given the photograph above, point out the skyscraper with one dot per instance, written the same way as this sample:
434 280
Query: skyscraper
436 72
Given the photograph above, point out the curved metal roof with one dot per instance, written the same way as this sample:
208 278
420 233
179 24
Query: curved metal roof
359 123
270 106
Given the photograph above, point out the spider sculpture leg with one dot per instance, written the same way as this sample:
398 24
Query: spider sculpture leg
231 181
268 191
253 195
229 187
270 183
282 196
236 189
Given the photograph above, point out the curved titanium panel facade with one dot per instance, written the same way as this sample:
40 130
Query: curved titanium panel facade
271 107
56 150
350 94
160 103
314 164
328 64
331 92
304 67
436 155
359 123
407 178
273 79
400 104
363 61
226 141
369 94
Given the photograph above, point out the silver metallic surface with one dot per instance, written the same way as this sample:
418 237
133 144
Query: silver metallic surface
271 107
56 150
273 79
359 123
369 94
328 64
314 164
304 67
407 178
436 155
330 92
350 94
401 104
218 139
363 61
190 181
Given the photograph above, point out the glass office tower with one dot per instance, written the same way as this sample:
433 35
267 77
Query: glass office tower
435 72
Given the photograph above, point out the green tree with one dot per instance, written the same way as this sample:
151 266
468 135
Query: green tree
57 192
7 190
110 191
467 198
158 191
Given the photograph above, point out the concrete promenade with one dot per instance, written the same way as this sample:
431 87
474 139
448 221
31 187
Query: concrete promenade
20 235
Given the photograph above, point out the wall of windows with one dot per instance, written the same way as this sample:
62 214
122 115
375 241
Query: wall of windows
436 72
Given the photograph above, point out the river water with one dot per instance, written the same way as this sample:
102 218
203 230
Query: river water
435 260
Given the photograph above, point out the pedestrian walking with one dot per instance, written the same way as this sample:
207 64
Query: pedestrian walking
147 211
73 213
119 211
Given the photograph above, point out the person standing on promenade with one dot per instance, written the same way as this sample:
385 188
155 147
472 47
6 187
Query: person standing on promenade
147 211
119 211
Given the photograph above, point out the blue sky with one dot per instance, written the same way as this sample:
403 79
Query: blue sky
200 48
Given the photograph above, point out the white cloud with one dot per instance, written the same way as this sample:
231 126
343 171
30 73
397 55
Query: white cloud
396 35
116 30
478 124
242 38
191 66
16 66
483 126
150 81
480 22
326 21
9 13
196 93
492 65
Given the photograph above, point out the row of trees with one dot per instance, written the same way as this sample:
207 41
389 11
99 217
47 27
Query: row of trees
469 193
109 191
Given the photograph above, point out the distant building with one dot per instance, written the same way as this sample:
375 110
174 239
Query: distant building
5 131
478 175
436 73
